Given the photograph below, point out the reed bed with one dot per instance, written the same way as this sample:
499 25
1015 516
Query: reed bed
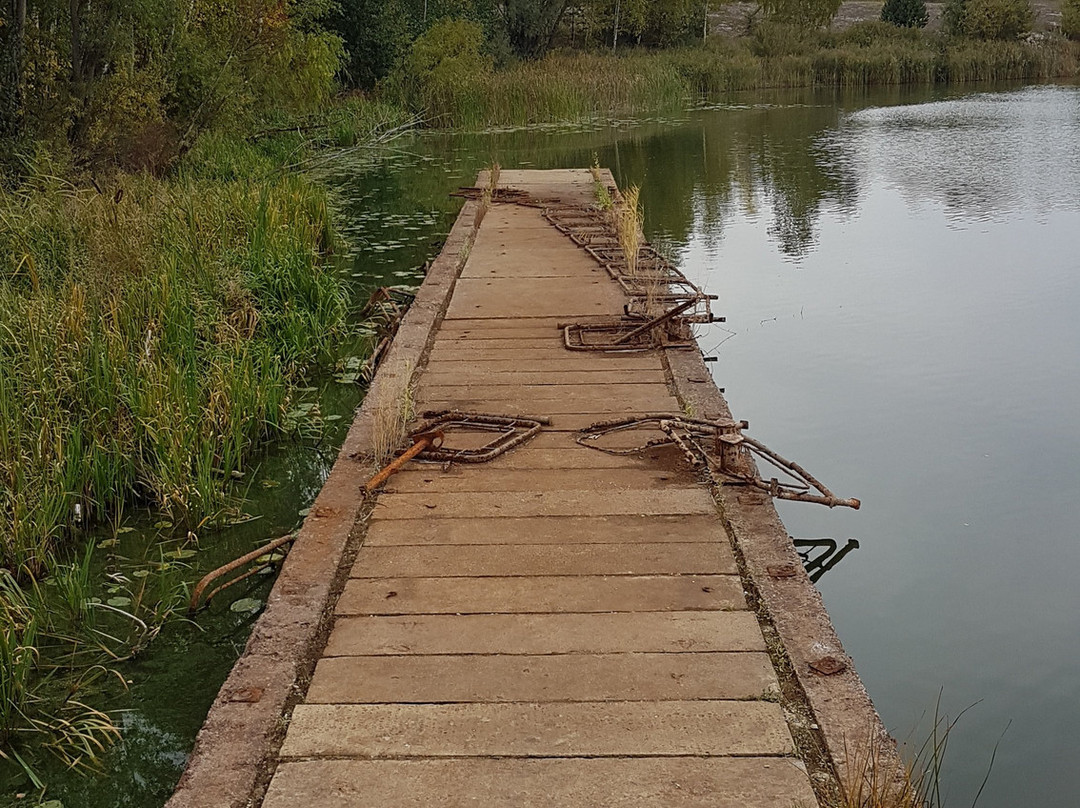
151 333
584 86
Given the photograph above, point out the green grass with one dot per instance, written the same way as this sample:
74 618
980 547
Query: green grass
150 337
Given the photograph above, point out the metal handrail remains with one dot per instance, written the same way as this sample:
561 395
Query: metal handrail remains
720 447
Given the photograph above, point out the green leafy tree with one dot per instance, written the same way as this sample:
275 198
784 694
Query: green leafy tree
530 25
988 19
1070 18
905 13
645 22
443 61
376 35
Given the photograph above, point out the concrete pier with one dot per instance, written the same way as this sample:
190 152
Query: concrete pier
558 626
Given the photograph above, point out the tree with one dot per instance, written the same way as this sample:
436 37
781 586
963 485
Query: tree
1070 18
988 19
531 25
905 13
12 53
376 34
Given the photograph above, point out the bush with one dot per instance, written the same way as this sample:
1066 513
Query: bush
771 40
875 34
446 60
905 13
988 19
1070 18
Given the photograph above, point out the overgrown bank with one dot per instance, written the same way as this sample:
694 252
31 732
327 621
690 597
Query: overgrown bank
462 88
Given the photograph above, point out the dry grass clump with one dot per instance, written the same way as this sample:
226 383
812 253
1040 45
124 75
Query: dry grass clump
392 416
628 219
487 194
876 776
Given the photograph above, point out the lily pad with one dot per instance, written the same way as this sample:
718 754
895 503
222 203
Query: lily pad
140 573
102 545
181 554
246 606
119 602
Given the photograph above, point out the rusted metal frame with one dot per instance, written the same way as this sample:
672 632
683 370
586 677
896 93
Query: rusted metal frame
778 490
731 443
512 196
225 569
656 321
575 331
514 430
663 421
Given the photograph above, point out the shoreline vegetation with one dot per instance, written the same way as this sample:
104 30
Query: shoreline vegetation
167 260
572 87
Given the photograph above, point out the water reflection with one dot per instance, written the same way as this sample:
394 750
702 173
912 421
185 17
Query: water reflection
821 555
981 157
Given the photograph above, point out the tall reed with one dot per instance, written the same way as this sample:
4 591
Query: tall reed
585 86
150 338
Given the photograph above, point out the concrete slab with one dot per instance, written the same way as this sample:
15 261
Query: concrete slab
415 679
594 729
592 409
541 594
544 530
479 478
567 633
482 560
674 782
582 502
479 377
534 297
532 360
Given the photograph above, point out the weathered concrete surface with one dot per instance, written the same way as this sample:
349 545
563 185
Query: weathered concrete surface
536 678
551 633
538 729
554 605
670 782
558 627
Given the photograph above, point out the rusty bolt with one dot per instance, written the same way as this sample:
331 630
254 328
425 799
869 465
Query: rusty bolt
247 695
827 665
781 570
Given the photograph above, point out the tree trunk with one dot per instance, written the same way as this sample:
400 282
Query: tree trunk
76 40
11 62
615 31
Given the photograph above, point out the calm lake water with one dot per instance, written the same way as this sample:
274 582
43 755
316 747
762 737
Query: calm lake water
901 276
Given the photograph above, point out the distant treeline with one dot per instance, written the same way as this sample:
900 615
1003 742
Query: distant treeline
135 81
